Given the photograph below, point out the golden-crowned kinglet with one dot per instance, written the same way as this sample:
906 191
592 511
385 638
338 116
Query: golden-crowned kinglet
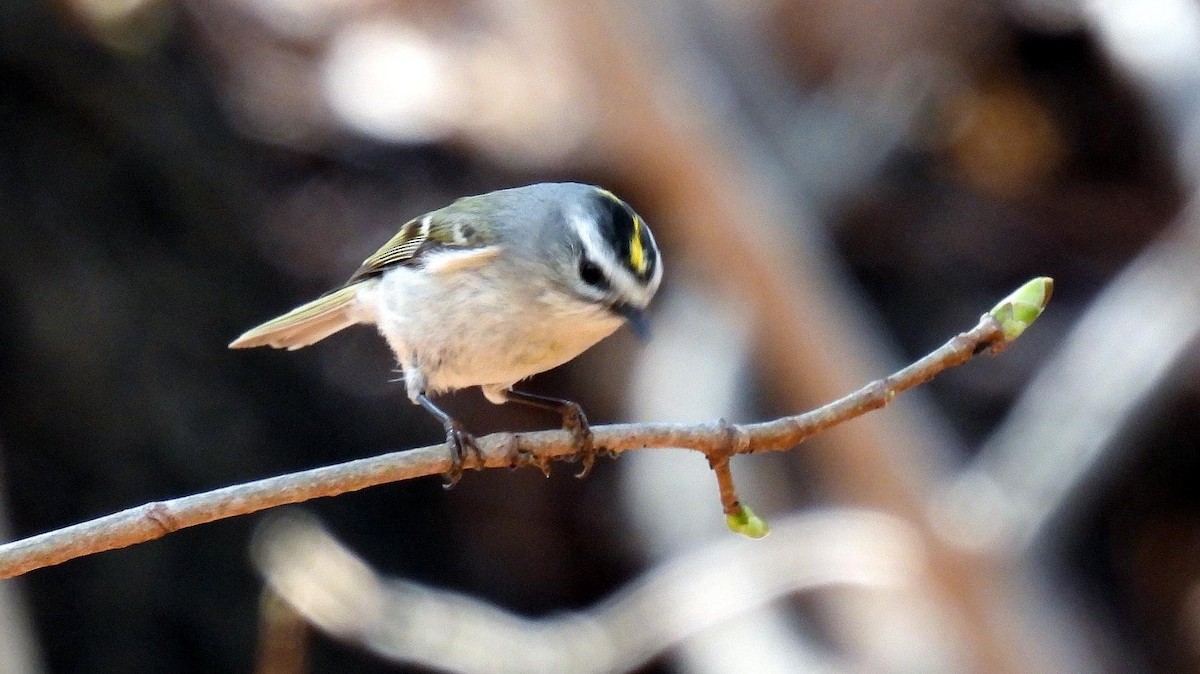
490 290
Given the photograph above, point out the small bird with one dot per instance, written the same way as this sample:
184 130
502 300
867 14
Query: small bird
490 290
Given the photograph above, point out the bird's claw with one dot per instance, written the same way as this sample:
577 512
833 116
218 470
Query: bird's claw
460 442
585 449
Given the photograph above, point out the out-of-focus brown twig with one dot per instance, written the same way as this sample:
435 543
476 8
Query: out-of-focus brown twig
282 637
500 450
812 332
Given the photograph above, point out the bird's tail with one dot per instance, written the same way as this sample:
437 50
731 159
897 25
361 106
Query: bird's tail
306 324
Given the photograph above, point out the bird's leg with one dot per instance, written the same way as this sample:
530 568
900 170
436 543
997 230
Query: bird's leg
458 441
573 420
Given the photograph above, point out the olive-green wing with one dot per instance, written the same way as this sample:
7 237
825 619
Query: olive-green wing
420 236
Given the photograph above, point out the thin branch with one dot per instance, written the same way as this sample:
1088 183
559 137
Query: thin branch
500 450
729 499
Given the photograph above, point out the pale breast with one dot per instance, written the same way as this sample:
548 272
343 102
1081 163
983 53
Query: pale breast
480 328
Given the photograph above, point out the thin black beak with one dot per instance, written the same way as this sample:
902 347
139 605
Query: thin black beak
637 319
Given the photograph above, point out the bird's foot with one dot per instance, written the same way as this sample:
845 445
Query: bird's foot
576 423
460 442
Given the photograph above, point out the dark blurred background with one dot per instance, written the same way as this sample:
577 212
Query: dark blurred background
838 187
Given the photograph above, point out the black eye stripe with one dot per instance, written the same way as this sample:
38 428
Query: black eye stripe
592 274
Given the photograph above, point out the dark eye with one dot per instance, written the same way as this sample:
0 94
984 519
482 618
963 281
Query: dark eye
591 274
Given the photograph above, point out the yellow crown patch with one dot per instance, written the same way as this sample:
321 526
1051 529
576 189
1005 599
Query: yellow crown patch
637 253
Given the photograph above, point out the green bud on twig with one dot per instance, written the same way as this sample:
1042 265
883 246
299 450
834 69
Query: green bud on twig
1019 310
746 523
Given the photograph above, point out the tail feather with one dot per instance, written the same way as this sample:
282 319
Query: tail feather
304 325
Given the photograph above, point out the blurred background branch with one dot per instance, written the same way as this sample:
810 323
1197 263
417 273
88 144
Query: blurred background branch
705 591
